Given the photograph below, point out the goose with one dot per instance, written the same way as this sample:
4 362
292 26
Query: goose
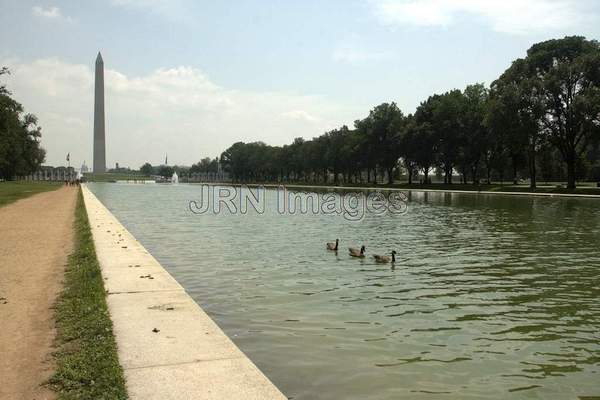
354 252
385 259
333 246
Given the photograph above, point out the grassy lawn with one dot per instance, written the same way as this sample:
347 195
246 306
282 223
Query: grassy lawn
110 177
13 191
87 362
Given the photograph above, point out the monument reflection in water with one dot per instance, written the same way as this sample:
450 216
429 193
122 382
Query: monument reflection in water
492 297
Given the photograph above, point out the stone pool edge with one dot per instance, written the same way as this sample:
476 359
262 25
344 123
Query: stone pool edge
401 189
168 346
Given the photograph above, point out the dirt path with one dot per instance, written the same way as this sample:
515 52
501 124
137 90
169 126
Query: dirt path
36 237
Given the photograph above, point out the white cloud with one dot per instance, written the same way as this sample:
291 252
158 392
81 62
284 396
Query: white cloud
173 10
176 110
299 115
49 13
350 54
507 16
160 6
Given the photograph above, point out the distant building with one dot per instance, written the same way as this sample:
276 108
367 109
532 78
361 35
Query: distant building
49 173
119 169
84 168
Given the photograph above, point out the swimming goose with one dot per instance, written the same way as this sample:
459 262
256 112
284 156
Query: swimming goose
385 259
354 252
333 246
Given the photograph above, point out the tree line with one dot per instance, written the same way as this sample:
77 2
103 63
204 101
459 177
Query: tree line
541 116
20 150
206 165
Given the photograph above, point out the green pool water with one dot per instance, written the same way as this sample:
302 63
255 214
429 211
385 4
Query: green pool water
491 297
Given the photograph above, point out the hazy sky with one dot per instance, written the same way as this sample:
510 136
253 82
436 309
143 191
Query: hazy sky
189 78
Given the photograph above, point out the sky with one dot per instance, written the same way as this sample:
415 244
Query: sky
188 78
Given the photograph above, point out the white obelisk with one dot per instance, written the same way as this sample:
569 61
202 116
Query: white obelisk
99 144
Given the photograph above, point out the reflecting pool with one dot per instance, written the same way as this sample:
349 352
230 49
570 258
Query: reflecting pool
491 297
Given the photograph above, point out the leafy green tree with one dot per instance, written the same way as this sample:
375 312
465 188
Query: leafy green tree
421 141
495 154
166 171
205 165
517 110
508 140
3 90
351 156
448 127
296 158
442 114
383 129
335 150
314 162
147 169
567 74
475 138
235 161
20 150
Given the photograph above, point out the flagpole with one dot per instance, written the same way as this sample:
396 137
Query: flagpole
69 165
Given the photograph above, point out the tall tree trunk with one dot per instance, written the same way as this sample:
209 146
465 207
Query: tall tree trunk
571 173
532 170
448 171
391 175
474 170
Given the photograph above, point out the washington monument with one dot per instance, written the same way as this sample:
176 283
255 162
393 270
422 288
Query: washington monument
99 145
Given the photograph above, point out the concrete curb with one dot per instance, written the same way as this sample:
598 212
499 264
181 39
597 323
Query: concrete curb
168 346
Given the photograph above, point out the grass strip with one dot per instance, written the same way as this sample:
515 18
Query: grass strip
586 189
14 190
87 362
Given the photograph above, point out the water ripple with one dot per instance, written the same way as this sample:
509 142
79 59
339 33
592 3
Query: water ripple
492 297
